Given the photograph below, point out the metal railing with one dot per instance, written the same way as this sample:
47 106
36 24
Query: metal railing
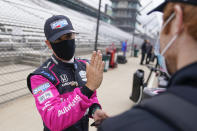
17 60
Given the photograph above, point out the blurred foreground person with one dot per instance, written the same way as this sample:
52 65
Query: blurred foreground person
176 109
65 95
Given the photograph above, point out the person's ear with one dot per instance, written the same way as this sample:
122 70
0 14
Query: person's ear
48 44
177 24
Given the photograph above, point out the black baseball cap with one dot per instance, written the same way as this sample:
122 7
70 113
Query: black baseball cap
161 7
56 26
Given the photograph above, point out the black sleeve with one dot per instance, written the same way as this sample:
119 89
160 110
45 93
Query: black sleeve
135 120
100 128
86 91
93 107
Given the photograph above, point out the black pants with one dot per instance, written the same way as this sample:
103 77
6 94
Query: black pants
142 58
148 58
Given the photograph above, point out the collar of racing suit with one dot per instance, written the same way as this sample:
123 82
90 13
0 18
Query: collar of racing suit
58 62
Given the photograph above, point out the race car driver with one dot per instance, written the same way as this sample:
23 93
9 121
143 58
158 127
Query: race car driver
63 88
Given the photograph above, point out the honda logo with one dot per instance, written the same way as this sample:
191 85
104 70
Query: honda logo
64 78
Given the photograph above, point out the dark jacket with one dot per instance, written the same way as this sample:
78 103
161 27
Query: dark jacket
149 49
143 48
183 84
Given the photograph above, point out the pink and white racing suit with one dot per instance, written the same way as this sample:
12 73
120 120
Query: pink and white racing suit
61 97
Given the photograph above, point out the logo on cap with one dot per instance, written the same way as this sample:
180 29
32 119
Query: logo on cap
59 24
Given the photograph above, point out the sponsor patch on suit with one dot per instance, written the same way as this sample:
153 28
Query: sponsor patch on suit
46 95
41 88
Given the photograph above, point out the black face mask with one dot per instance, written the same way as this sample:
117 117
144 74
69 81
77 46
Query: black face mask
64 49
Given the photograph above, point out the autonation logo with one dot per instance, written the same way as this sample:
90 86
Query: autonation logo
69 106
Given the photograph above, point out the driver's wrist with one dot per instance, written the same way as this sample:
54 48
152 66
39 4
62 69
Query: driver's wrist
95 109
90 87
86 91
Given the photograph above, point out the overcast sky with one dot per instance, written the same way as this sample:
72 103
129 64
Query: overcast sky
153 19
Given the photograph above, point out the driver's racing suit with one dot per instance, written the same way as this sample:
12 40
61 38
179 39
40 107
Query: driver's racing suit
61 97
